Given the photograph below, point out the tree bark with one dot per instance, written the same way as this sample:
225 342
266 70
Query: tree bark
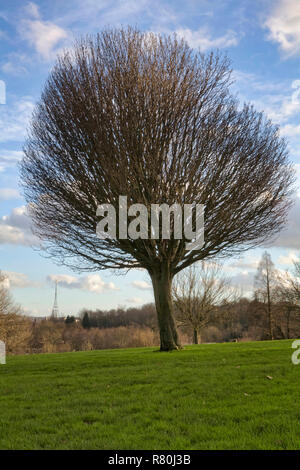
271 332
288 324
162 285
195 336
270 319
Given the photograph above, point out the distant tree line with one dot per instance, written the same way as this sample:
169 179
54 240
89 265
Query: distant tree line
242 320
140 316
207 309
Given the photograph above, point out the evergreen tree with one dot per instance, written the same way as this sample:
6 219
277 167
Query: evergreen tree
86 323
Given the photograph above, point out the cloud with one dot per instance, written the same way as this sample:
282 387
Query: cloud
32 10
290 130
280 100
14 279
15 64
288 259
283 24
11 68
44 36
14 119
297 168
15 228
9 193
290 237
142 285
256 82
135 300
99 13
244 280
33 312
249 262
9 158
90 283
201 39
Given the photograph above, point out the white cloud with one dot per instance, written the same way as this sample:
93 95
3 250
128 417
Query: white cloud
248 262
290 130
11 68
14 279
34 312
244 280
44 36
15 228
9 158
297 168
135 300
256 82
142 285
99 13
290 236
14 119
4 283
9 193
288 259
283 24
32 10
279 100
202 39
91 282
15 64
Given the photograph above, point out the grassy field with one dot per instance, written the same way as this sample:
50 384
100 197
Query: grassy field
214 396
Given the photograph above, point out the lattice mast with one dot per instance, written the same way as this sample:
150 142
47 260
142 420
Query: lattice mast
55 311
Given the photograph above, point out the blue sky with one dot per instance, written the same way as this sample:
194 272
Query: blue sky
261 37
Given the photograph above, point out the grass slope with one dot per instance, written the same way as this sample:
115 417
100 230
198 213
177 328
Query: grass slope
214 396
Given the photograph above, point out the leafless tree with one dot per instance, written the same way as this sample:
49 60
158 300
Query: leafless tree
287 295
7 305
266 285
198 292
14 328
145 116
294 281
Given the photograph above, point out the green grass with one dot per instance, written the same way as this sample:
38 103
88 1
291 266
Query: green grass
214 396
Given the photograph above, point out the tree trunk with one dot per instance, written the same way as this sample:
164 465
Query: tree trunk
195 336
162 285
271 333
288 324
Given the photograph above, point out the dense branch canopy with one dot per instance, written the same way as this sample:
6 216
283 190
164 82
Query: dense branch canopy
145 116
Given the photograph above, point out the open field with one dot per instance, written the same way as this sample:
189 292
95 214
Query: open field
214 396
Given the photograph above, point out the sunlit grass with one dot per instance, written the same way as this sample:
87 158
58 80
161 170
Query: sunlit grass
214 396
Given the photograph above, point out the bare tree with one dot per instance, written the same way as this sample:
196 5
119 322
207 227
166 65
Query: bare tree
266 285
287 295
145 116
14 329
294 281
7 305
198 293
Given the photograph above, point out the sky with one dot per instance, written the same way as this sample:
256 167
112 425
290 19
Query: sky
262 39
